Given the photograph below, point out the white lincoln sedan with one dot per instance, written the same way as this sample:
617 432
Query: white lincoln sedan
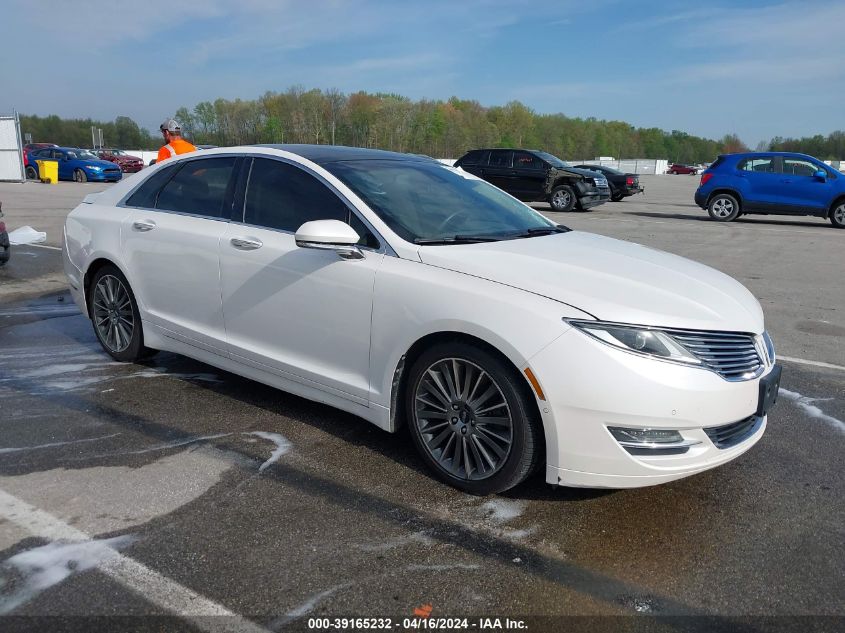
412 293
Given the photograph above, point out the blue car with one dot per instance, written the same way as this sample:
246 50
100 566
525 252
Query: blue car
77 164
772 183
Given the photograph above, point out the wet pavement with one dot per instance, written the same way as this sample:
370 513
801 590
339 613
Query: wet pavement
173 487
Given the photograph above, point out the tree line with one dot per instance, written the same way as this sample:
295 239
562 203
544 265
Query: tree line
394 122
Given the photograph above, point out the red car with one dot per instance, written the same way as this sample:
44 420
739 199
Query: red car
127 163
680 168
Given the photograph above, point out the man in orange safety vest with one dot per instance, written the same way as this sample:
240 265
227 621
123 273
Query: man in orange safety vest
175 144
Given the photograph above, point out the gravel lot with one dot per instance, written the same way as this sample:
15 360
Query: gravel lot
240 507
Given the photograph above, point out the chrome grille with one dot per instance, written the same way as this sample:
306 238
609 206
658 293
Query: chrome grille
732 434
732 355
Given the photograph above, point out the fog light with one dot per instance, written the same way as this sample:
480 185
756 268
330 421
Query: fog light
651 442
645 436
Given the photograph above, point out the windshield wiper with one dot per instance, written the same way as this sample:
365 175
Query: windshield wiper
542 230
458 239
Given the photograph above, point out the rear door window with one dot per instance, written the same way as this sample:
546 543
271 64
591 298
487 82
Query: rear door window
764 165
500 158
200 187
145 195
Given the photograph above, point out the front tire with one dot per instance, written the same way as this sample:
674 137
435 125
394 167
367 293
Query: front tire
562 198
723 207
115 316
79 175
471 418
837 215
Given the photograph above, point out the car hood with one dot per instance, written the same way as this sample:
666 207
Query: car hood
127 159
105 164
611 279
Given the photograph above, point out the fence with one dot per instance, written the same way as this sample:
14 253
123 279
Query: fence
631 165
11 154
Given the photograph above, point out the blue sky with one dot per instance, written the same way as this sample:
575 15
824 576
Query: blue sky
758 69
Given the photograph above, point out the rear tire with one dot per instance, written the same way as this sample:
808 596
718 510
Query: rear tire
562 198
723 207
837 215
115 316
79 175
31 173
471 418
617 197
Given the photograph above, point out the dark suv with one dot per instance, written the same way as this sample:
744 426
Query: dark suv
778 183
534 176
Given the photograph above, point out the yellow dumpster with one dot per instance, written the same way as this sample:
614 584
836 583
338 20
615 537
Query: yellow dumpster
48 171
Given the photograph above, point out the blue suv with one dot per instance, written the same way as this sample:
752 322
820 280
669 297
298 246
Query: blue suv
772 183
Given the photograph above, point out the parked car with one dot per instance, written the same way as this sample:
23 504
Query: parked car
621 184
772 183
5 249
127 163
77 164
535 176
29 168
408 292
680 168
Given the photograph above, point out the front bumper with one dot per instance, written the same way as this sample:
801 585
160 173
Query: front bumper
591 386
593 198
104 176
131 169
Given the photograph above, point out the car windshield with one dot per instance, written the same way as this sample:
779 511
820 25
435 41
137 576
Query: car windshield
427 201
81 154
553 160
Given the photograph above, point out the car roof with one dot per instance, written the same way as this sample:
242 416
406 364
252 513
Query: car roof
322 154
761 154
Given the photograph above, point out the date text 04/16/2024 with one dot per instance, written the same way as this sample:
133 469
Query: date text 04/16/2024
415 624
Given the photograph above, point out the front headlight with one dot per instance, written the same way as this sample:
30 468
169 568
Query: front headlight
93 167
637 339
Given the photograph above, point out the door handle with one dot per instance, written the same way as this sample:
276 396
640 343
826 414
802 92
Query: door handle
246 243
144 225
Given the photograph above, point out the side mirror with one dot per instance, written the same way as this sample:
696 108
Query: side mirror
821 174
331 235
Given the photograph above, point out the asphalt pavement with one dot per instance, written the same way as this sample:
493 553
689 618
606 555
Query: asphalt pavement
172 489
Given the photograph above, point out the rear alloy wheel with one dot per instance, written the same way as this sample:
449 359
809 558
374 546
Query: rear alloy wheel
837 215
471 419
617 197
723 207
79 175
31 173
562 198
114 314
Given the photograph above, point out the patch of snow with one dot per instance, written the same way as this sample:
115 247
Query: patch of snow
42 567
282 447
54 444
806 404
443 567
26 235
164 446
503 510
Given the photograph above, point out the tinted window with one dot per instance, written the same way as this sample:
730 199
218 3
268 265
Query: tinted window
553 160
145 195
198 188
282 196
765 165
798 167
500 158
524 160
477 157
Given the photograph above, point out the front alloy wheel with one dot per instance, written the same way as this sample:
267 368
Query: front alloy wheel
470 418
